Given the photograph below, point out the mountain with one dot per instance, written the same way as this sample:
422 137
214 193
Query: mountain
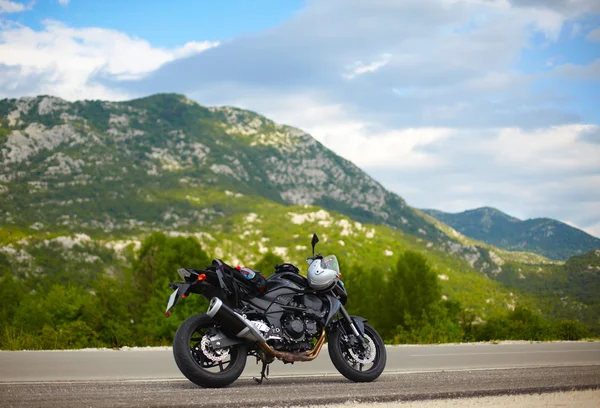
83 183
543 236
113 167
576 284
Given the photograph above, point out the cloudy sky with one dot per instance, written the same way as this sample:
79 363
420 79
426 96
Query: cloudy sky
453 104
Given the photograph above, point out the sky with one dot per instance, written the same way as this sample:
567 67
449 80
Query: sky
452 104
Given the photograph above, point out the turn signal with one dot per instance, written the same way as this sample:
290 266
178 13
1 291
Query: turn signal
183 296
201 277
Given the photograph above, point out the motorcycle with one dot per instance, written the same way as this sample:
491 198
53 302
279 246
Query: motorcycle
286 317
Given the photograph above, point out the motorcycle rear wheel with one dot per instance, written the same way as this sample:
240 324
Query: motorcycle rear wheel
347 357
194 359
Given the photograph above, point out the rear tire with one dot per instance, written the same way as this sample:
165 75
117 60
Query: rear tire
190 358
345 363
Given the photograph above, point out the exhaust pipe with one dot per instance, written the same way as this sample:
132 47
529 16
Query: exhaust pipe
239 326
291 357
232 321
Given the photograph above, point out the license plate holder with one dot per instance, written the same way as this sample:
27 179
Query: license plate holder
171 301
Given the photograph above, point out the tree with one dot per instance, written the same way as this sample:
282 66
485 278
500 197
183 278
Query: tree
267 264
155 266
411 293
11 293
365 293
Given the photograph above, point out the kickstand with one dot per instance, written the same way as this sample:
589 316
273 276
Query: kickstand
263 373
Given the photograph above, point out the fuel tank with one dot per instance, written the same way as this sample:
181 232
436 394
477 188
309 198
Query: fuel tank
282 288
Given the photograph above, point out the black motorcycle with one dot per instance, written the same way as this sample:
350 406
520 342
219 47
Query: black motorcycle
283 317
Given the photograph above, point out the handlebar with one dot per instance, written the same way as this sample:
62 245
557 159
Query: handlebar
311 259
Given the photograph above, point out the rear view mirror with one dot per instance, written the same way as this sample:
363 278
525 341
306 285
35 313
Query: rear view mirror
314 241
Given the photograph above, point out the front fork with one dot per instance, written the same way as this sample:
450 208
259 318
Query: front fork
356 324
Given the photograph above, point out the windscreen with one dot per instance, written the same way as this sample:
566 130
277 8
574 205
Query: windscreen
330 262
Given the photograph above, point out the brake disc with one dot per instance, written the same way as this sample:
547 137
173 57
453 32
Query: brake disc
369 354
214 355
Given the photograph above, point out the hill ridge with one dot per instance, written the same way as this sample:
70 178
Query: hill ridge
85 179
541 235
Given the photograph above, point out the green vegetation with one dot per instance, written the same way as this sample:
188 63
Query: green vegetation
543 236
127 308
267 264
575 285
100 202
514 256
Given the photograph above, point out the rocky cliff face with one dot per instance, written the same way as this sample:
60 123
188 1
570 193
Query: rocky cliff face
117 166
82 182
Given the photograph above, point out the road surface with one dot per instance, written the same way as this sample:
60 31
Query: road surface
150 377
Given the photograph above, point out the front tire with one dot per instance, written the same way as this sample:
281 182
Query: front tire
194 359
350 360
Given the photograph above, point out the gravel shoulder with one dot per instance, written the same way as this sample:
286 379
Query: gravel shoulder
574 399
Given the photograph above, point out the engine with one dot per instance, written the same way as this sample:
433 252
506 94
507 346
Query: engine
299 328
295 328
296 323
297 333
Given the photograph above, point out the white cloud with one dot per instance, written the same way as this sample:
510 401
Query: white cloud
7 6
544 172
361 142
589 72
434 109
553 172
569 8
359 68
558 148
593 229
62 60
64 2
412 64
594 35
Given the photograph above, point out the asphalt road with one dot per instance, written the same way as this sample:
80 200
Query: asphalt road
150 377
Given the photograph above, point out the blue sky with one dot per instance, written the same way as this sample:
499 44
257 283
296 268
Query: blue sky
453 104
166 23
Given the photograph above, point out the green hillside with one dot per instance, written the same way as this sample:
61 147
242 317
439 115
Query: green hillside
547 237
83 185
106 166
569 290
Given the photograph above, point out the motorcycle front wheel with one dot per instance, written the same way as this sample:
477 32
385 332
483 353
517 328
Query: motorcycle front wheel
353 361
198 361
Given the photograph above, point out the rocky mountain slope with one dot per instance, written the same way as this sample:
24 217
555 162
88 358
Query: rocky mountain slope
543 236
82 183
110 167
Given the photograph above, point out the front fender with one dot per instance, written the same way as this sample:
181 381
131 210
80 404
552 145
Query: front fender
359 322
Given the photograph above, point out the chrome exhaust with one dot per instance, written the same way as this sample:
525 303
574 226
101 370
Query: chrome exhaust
232 321
238 326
